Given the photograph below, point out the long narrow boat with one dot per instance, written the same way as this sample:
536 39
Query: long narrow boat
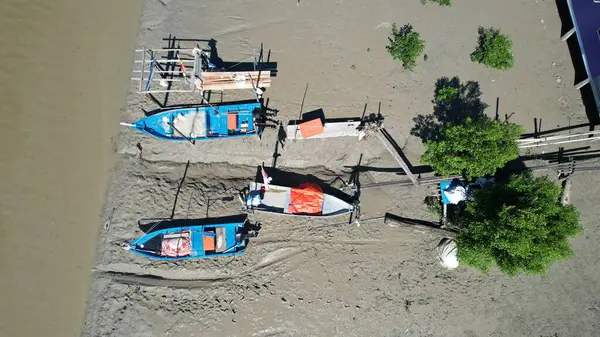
307 199
191 242
202 122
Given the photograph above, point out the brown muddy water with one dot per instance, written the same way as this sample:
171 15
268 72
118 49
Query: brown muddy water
64 74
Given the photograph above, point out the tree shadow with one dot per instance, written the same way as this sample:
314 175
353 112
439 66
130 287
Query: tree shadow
454 102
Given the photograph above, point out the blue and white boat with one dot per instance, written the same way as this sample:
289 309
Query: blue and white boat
192 242
203 122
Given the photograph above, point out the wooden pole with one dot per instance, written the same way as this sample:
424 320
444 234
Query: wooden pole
301 108
559 142
142 66
184 60
183 50
383 137
181 134
568 34
582 83
527 141
418 225
444 213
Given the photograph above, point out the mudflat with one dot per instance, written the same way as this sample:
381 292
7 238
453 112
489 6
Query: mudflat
65 68
325 277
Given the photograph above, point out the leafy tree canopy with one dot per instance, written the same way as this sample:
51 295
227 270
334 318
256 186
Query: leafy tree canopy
520 226
473 149
446 94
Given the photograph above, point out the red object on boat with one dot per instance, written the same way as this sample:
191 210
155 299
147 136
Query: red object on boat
177 244
232 121
306 199
311 128
208 242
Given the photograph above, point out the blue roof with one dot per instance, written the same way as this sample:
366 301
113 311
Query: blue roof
586 19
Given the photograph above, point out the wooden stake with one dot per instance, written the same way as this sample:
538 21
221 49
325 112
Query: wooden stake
418 225
383 136
582 83
568 34
301 108
181 134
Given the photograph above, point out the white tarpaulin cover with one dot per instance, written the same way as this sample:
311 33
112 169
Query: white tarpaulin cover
446 252
455 192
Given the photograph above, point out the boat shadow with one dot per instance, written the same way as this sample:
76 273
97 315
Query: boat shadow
320 114
151 225
292 179
149 113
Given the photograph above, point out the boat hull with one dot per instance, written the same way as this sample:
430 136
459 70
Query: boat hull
202 122
281 200
192 242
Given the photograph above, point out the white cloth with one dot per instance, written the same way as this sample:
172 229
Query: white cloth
455 193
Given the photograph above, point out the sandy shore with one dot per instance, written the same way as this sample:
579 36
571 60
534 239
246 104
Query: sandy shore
65 67
327 278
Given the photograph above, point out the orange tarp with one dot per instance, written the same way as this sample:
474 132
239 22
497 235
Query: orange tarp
311 128
232 121
209 242
306 199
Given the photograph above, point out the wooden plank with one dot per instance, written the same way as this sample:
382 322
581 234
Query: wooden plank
233 86
142 67
568 34
581 84
561 139
560 142
383 136
419 225
234 74
538 140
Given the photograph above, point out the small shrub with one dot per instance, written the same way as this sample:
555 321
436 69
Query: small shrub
446 94
434 206
405 45
494 49
439 2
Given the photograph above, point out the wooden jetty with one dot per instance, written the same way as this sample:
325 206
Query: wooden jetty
169 70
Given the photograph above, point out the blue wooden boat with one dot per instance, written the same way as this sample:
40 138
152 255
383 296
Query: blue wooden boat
191 242
203 122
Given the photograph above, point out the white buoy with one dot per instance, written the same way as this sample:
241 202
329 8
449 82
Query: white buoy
447 253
